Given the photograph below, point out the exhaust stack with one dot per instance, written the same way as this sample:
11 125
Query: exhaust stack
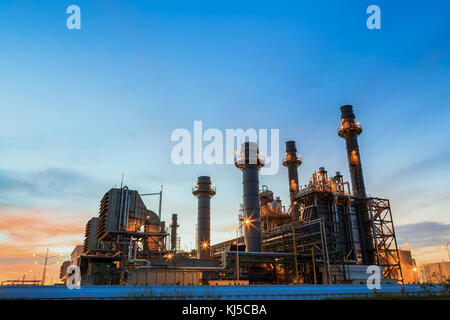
204 192
249 162
173 232
292 161
350 130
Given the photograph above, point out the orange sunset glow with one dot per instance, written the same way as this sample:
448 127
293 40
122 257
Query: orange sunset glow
28 231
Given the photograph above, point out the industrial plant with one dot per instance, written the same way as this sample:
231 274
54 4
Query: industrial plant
329 233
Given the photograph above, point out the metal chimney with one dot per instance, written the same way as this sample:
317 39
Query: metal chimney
350 130
204 192
292 161
162 229
173 232
249 162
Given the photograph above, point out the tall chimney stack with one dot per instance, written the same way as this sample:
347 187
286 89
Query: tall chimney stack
173 232
249 162
204 192
292 161
350 130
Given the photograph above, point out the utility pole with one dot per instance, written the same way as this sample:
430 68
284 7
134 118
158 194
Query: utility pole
448 251
160 199
297 280
237 254
160 202
47 261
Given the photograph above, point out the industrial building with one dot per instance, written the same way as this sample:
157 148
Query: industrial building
410 270
435 272
329 234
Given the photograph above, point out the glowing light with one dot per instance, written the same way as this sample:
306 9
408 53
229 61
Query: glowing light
169 256
205 245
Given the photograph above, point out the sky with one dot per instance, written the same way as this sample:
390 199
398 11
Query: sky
81 107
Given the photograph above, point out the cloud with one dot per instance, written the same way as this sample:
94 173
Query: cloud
424 234
129 133
423 166
35 225
425 239
226 229
28 230
43 182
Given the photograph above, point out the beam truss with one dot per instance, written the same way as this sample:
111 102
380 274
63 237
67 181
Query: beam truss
384 238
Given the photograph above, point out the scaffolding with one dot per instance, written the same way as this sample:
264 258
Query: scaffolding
384 239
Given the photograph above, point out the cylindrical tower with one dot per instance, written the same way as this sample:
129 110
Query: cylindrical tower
292 161
162 229
204 191
350 130
249 162
173 232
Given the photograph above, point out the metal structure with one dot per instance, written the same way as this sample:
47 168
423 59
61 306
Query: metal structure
204 191
160 199
329 234
337 231
384 240
328 198
292 161
173 232
350 130
91 243
288 251
273 213
250 161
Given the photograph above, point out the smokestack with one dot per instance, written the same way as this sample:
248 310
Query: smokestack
249 163
350 130
162 228
204 192
292 161
173 232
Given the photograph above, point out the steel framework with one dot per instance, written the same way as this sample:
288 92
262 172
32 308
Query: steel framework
384 238
304 244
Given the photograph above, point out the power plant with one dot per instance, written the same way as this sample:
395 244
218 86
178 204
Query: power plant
329 234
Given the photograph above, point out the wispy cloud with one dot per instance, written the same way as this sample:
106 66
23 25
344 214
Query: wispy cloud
27 230
424 165
415 171
426 239
36 226
425 233
47 181
226 229
129 133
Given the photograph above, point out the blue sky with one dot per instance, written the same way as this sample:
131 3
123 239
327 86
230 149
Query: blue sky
79 107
